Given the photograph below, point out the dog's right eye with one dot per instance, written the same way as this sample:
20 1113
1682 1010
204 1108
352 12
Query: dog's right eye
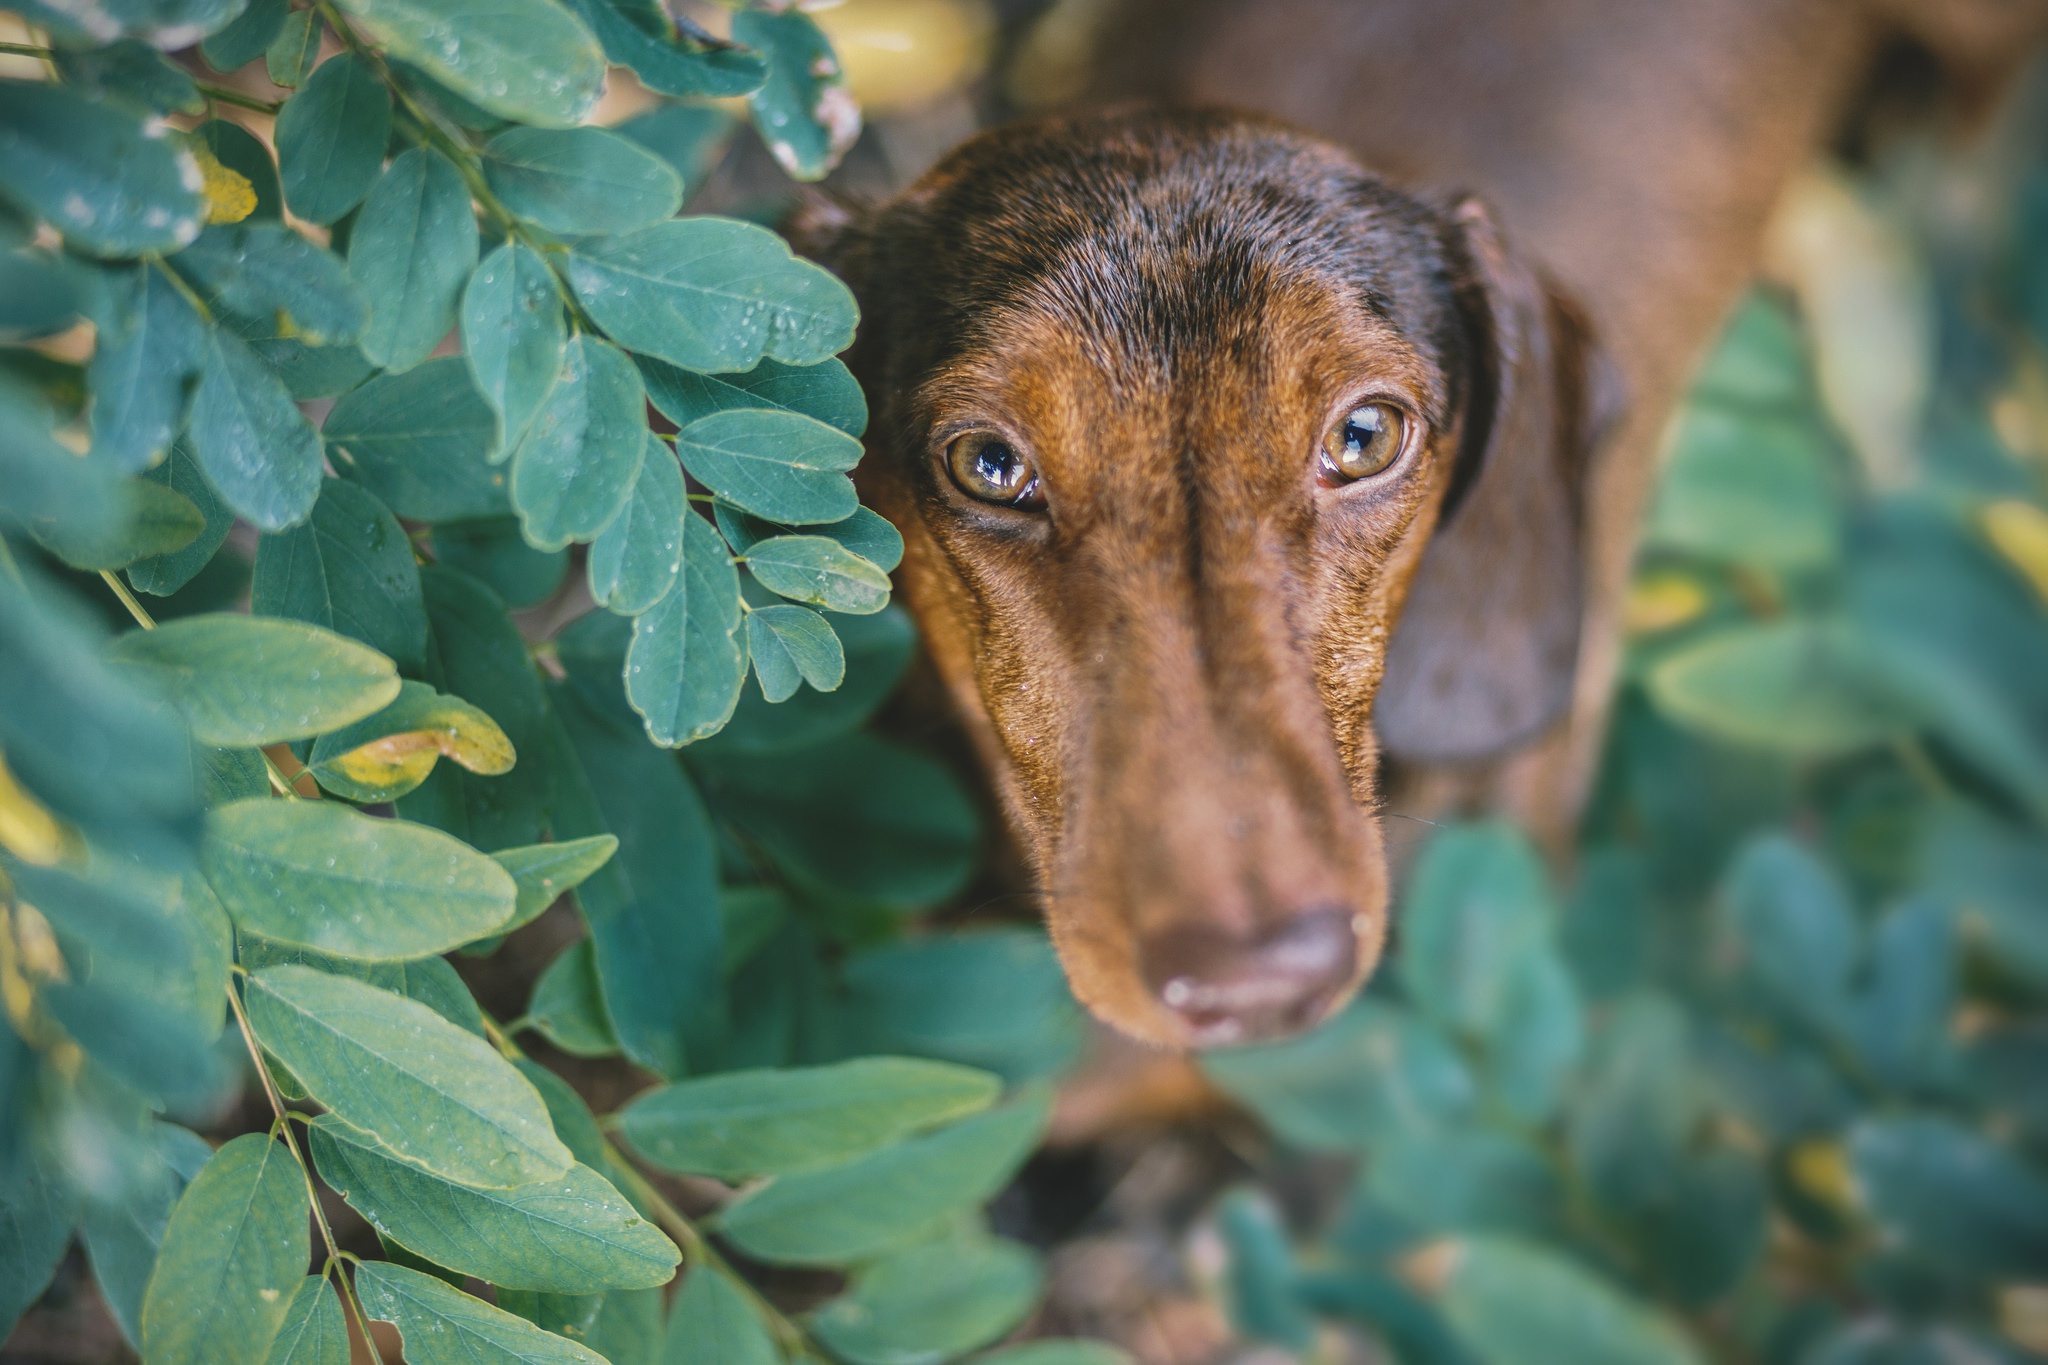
988 468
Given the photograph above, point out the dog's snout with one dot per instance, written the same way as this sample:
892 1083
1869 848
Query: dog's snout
1232 989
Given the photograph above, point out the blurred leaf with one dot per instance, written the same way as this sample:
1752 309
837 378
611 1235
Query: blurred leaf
570 1235
94 171
350 569
574 180
321 874
1809 687
253 680
153 520
529 60
688 137
573 471
1629 1127
513 335
1048 1352
1471 1180
418 441
1478 903
444 1326
1991 873
1259 1286
1747 487
146 363
140 1040
258 450
826 392
129 72
314 1330
819 571
245 37
494 552
1372 1072
543 873
294 51
267 271
857 817
40 294
1517 1304
37 1212
388 754
574 1123
233 1253
433 1095
122 1237
163 574
1898 1021
331 138
640 35
803 112
930 1303
412 249
792 644
687 660
634 563
888 1199
746 1123
1951 1196
1794 929
994 999
568 1004
712 1323
712 294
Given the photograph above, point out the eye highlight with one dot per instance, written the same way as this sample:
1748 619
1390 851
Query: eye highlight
986 467
1367 440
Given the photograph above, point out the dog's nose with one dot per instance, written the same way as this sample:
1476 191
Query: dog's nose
1230 989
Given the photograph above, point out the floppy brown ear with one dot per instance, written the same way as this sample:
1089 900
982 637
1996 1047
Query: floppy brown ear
1483 656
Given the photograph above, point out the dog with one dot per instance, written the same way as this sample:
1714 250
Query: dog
1238 455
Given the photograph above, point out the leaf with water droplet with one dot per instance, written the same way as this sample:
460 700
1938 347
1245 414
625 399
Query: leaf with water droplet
529 60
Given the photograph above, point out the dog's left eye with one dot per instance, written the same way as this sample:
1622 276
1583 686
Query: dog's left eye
989 469
1365 441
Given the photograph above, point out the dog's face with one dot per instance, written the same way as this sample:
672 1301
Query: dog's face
1167 408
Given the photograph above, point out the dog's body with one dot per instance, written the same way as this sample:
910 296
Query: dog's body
1125 370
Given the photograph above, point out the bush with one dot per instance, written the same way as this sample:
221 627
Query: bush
239 847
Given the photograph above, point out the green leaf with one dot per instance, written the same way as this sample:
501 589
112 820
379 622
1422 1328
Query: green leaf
1749 487
513 335
236 148
878 648
574 1123
866 533
130 72
435 1096
146 363
147 1044
857 816
1054 1352
994 999
1521 1305
444 1326
320 874
570 1235
350 569
1807 687
746 1123
1374 1071
634 563
245 37
1951 1196
292 54
384 756
573 180
1794 930
1992 872
418 440
1640 1101
266 271
568 1004
826 391
640 35
687 660
233 1253
712 294
37 1212
252 680
931 1303
258 450
1468 1180
1260 1285
122 1235
777 465
476 653
331 138
314 1331
803 112
543 873
574 469
792 644
821 572
411 250
94 172
713 1323
688 137
874 1203
41 294
529 60
495 553
152 520
1478 903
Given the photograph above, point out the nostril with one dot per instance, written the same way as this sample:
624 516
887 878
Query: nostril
1230 988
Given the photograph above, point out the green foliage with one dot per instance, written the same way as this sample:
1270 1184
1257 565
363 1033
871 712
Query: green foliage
1754 1074
235 844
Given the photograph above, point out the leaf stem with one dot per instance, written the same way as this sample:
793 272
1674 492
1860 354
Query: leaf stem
283 1127
26 50
225 95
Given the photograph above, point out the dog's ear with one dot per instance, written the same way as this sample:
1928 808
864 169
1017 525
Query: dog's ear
1483 656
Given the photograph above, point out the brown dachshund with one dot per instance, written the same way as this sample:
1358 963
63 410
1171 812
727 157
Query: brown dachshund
1227 467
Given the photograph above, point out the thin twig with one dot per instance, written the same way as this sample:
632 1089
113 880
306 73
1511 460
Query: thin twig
26 50
226 95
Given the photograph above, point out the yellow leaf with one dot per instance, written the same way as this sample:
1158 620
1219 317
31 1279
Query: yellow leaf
1661 601
27 830
2019 531
388 754
1821 1169
229 196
